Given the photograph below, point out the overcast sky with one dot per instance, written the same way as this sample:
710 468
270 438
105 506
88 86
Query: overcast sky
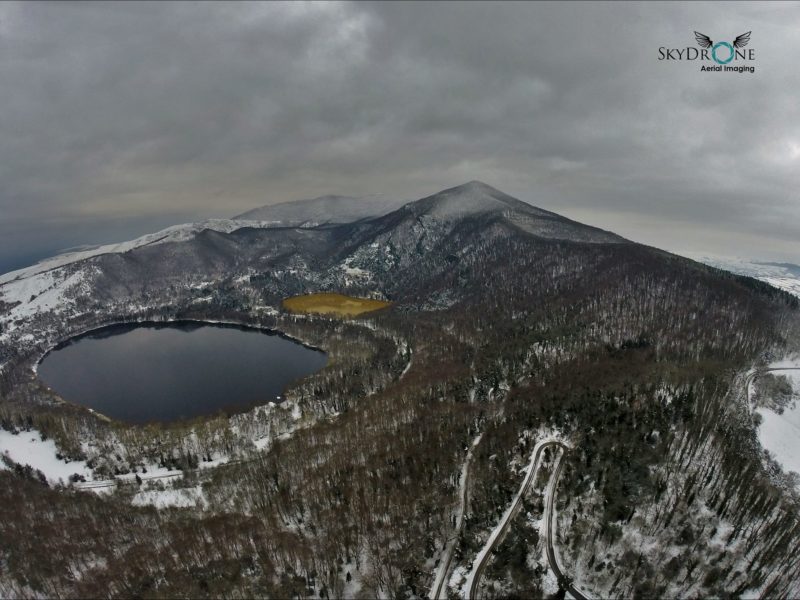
118 119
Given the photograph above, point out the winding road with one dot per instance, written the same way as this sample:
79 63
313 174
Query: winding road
549 516
496 537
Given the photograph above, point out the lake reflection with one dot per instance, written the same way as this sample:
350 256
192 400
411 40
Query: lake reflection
142 373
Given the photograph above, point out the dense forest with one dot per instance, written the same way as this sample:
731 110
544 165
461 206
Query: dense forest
634 355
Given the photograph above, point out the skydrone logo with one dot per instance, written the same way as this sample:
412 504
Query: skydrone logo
721 53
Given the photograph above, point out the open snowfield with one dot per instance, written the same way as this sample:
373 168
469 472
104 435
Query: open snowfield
27 448
780 434
784 276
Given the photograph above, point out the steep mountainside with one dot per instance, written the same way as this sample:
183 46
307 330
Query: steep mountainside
478 199
509 325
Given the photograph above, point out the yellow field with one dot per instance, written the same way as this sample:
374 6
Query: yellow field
332 304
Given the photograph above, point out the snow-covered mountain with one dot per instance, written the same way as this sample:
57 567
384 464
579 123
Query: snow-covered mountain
784 276
403 254
509 324
473 197
410 254
476 198
469 199
175 233
325 209
300 213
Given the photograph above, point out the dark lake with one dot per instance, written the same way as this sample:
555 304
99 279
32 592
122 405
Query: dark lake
148 372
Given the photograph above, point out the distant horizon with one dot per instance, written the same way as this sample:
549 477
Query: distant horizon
122 119
26 262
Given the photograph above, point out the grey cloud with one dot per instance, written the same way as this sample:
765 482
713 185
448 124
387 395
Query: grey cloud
122 116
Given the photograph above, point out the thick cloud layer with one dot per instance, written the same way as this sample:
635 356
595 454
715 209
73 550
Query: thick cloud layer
120 118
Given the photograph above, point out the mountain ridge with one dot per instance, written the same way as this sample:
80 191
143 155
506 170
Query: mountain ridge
330 208
507 323
470 199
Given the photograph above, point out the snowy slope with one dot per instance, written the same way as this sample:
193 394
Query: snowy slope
780 433
51 285
27 448
169 498
41 292
176 233
785 276
476 198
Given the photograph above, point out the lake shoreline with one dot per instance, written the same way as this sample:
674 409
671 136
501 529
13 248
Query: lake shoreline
175 370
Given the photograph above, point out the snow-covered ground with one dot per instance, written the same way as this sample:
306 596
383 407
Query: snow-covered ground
27 448
550 583
42 292
176 233
780 434
789 362
167 498
785 276
153 472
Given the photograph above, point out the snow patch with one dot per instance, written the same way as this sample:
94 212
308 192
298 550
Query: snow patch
45 292
171 498
780 433
549 583
28 448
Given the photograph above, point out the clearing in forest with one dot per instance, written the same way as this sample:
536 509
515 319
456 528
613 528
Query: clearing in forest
336 304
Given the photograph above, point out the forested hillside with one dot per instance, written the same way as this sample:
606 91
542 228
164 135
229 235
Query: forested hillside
507 323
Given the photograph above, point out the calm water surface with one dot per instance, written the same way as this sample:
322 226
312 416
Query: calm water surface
144 373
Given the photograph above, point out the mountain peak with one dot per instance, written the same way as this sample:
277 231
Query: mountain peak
477 186
476 198
473 197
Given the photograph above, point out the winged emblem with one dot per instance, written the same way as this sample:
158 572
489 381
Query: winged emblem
703 40
742 40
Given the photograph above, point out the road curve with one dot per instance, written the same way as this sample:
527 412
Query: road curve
473 580
563 580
